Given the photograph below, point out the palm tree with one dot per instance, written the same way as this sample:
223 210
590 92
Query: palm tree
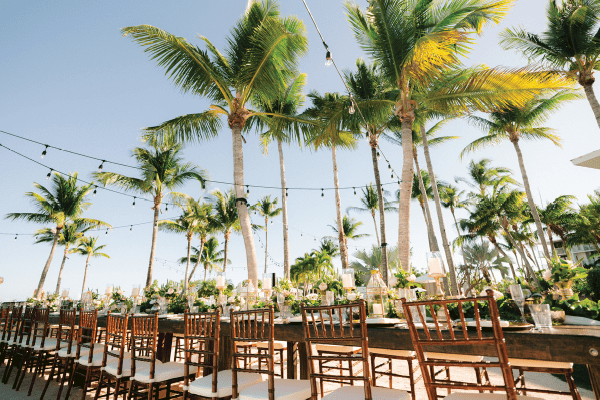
260 57
286 129
367 261
451 197
558 216
331 113
483 176
70 236
484 258
267 209
211 258
87 247
162 171
202 213
350 227
569 43
522 122
63 203
226 216
423 194
370 203
329 247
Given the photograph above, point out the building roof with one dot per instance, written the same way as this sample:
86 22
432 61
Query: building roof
590 160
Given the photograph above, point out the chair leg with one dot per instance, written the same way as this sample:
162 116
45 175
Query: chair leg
572 386
10 364
373 375
86 383
320 372
50 376
23 365
522 376
478 377
71 380
391 370
97 394
448 378
150 387
350 369
37 370
117 387
411 379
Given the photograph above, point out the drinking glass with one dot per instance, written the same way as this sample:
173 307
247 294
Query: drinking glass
286 311
190 300
519 298
329 297
541 315
280 301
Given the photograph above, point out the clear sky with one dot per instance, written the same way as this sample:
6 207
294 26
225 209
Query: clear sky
69 79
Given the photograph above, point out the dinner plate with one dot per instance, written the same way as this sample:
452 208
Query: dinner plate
487 326
383 321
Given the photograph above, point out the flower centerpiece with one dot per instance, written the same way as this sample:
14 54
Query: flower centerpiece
562 273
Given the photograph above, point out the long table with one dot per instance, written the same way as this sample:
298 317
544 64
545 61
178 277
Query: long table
576 344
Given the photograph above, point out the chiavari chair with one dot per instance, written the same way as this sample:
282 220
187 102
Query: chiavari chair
422 338
7 324
335 326
389 355
38 350
116 362
87 360
154 375
19 344
258 326
548 367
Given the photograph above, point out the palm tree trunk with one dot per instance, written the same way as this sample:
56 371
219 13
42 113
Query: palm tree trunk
205 269
383 244
62 266
534 212
284 216
338 211
242 204
266 241
497 246
550 241
438 208
589 93
87 261
517 258
462 247
38 293
405 192
225 252
202 241
153 247
433 244
376 230
523 256
535 259
187 265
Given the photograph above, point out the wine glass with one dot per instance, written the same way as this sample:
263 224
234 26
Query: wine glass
280 301
519 298
329 297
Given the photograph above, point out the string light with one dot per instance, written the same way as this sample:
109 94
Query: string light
16 236
328 61
322 194
166 207
106 231
131 228
354 192
389 167
49 173
133 201
94 194
247 190
351 109
101 166
44 152
286 193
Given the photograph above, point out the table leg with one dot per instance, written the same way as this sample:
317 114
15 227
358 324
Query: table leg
594 371
163 348
303 356
292 361
225 354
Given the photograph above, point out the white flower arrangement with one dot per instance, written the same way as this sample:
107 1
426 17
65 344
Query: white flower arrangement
170 291
120 292
547 275
411 278
312 296
323 286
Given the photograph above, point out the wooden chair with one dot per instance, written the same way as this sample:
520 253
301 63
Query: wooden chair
87 360
116 363
12 317
257 326
334 325
145 371
40 348
19 345
548 367
422 338
65 349
279 347
389 355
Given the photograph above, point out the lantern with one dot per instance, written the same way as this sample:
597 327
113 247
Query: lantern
377 296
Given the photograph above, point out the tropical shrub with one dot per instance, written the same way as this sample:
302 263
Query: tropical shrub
593 281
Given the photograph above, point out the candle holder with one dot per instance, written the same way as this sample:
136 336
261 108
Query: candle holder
435 266
348 282
267 286
377 296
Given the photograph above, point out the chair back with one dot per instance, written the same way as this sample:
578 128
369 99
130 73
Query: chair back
26 324
88 329
334 325
144 335
12 329
252 326
4 318
66 329
116 339
201 345
460 341
40 327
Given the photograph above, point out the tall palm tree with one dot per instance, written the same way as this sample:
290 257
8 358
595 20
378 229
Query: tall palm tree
518 123
202 213
451 197
558 216
211 258
226 218
290 128
69 238
423 195
350 228
365 261
482 176
569 43
261 56
87 247
267 209
370 203
63 203
331 113
162 171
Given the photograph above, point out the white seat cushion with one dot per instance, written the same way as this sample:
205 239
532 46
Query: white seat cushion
277 345
454 357
96 360
203 386
336 349
523 362
485 396
285 389
389 352
162 372
358 392
49 344
112 364
98 348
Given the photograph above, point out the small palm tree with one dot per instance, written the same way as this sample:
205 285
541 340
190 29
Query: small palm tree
225 217
559 216
366 261
162 171
211 258
369 202
202 213
452 199
350 227
87 247
63 203
267 209
518 123
482 176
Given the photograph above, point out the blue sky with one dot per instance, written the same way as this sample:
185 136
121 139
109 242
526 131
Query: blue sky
69 79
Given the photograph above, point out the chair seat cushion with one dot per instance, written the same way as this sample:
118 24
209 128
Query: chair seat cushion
454 357
285 389
277 345
63 353
162 372
328 348
388 352
49 344
358 392
112 365
203 386
485 396
245 344
96 360
525 363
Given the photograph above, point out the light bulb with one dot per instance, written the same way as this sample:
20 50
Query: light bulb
16 236
389 167
166 207
392 176
94 194
378 155
322 194
247 189
101 166
131 229
286 192
351 109
44 152
106 232
48 176
133 201
328 61
354 192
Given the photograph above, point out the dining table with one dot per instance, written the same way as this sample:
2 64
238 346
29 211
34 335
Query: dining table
565 343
